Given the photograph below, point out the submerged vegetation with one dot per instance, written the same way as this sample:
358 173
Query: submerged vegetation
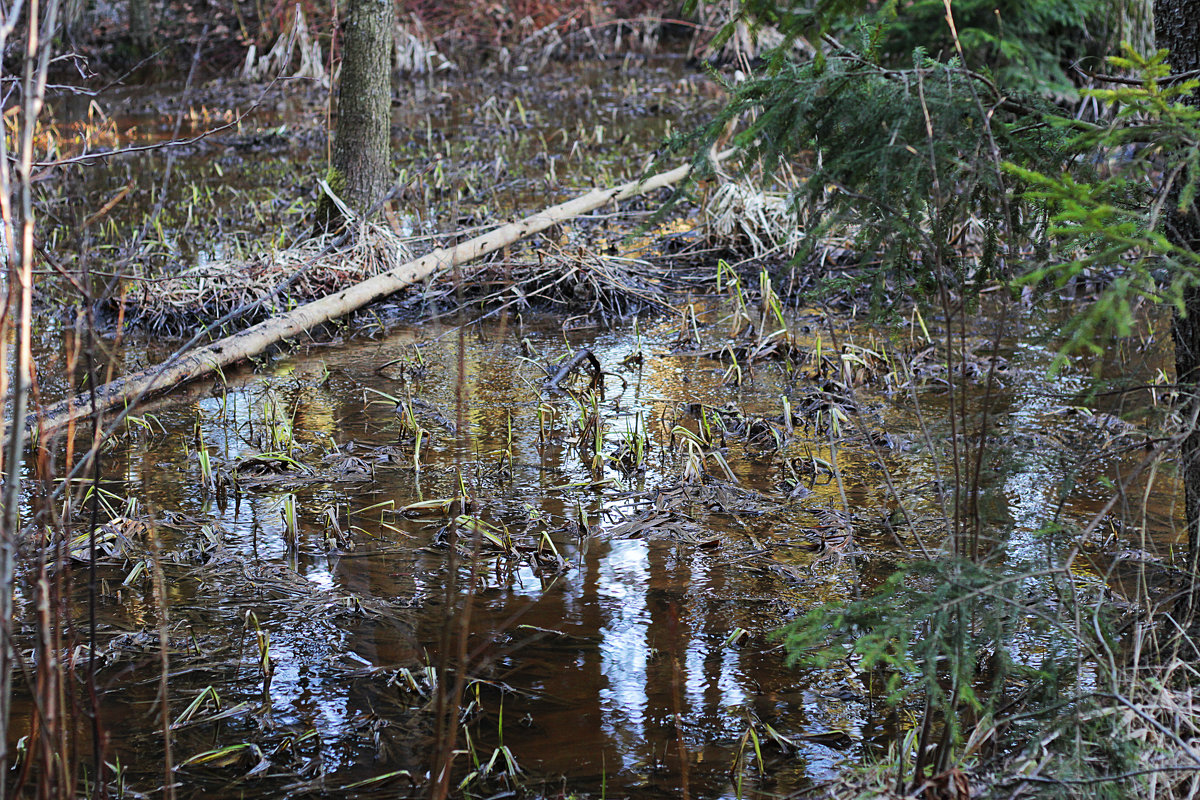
849 469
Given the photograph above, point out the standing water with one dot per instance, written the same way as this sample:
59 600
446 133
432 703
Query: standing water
324 551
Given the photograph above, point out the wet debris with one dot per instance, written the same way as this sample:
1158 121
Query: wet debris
474 537
976 362
265 285
120 538
263 471
582 355
447 507
583 282
655 523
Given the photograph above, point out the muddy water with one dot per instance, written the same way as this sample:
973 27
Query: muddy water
622 646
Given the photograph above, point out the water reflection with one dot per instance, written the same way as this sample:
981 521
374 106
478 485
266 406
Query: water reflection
621 587
618 670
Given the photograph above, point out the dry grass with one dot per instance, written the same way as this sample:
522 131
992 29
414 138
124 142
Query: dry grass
415 51
268 284
580 282
576 281
740 215
1158 712
296 54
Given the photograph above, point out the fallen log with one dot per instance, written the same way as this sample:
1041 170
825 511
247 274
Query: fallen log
128 390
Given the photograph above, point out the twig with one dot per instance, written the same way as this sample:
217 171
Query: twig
566 369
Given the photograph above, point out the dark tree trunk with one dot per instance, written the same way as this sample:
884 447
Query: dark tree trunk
140 29
360 171
1177 28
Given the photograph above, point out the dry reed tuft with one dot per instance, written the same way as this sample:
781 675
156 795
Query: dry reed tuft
415 52
295 46
266 285
740 214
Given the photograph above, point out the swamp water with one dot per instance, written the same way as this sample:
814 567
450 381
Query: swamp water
619 632
618 641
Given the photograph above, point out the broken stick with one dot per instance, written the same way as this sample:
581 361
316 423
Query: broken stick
583 354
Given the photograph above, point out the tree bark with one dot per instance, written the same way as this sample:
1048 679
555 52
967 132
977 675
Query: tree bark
360 171
140 29
1177 28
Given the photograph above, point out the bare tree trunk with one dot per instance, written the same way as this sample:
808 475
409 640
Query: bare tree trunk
140 29
17 222
1177 28
361 171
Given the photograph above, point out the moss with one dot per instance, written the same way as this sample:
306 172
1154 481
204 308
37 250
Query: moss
329 216
336 181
